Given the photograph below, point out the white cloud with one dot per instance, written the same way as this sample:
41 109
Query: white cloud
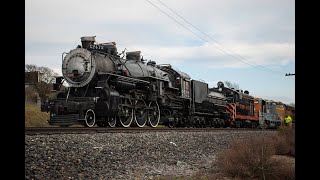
260 31
254 54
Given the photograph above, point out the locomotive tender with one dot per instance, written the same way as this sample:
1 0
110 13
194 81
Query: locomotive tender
109 90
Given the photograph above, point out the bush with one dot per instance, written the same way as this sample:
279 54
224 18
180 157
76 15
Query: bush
259 158
284 142
249 158
34 117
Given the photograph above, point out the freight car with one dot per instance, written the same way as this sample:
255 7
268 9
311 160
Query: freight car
109 90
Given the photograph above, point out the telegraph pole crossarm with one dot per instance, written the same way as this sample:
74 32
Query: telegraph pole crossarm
290 74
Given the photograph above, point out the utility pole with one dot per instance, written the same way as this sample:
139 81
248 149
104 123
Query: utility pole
290 74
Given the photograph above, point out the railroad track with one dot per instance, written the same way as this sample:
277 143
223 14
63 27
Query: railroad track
79 130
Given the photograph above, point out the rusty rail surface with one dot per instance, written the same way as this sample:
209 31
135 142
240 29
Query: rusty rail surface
79 130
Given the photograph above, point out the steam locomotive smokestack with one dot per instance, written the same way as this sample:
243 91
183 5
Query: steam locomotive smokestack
87 40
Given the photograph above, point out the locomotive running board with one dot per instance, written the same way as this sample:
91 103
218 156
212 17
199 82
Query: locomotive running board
124 78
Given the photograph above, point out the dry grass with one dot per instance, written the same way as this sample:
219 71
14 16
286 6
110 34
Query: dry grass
34 117
284 142
284 167
255 158
248 159
268 158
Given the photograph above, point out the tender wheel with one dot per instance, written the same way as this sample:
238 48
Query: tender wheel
211 123
222 123
112 121
171 124
154 114
254 125
126 113
189 122
141 113
90 118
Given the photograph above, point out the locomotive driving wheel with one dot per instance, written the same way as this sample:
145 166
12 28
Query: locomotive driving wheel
154 114
140 113
90 118
112 121
126 113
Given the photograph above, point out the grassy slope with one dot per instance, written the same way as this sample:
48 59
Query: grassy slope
34 117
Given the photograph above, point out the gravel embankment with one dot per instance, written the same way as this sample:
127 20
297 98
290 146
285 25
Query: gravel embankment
125 155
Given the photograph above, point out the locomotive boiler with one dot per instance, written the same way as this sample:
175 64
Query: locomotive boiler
109 90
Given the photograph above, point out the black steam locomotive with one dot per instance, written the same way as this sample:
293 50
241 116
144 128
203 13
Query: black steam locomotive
109 90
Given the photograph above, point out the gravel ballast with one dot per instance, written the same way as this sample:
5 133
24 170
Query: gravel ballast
144 155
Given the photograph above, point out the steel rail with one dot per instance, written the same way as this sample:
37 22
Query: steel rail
81 130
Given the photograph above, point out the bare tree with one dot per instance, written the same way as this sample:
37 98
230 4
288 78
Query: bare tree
228 84
31 68
47 75
232 85
292 104
46 78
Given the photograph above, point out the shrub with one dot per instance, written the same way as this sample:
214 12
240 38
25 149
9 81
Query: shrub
249 158
260 158
284 142
283 166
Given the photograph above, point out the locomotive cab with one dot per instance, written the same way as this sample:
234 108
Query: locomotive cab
184 84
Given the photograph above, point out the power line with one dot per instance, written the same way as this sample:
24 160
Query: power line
210 37
205 35
194 32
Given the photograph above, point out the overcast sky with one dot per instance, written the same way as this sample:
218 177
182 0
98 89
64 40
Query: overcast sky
251 42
